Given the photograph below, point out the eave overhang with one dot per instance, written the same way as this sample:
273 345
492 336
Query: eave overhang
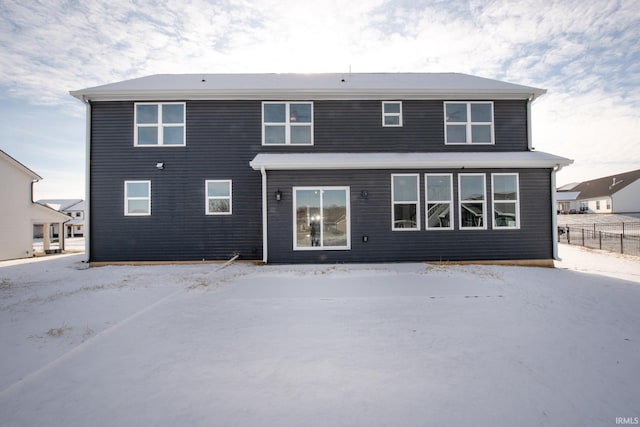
334 161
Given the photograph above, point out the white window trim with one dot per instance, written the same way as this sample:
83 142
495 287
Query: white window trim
416 202
160 125
287 124
469 123
516 202
427 201
348 214
484 201
385 115
127 198
207 197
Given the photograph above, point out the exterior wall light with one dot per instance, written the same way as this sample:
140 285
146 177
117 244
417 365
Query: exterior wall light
278 195
160 165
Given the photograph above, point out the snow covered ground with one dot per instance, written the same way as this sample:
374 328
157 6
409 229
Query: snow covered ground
325 345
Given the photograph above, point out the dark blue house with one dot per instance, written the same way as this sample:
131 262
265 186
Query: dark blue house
304 168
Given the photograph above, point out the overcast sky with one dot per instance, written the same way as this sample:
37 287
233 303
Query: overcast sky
586 53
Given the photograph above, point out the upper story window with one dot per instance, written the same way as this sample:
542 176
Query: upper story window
137 198
392 114
159 124
287 123
468 122
218 197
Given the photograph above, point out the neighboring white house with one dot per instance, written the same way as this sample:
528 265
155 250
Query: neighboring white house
19 213
74 208
610 194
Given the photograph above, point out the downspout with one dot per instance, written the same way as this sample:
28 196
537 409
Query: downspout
87 181
554 214
529 133
265 246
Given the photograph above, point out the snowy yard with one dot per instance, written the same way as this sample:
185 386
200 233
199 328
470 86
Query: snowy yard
347 345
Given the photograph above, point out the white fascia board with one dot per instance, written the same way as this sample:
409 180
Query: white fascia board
332 161
297 94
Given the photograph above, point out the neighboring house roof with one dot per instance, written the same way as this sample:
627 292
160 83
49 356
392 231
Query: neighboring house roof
524 159
566 196
34 176
61 204
42 214
568 187
606 186
308 86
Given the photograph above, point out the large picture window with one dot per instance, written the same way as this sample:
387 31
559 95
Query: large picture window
472 195
159 124
506 209
439 200
468 122
137 198
287 123
218 199
321 218
405 196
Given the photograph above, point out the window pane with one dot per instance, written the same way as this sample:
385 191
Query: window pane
439 188
405 189
481 112
137 189
471 187
308 218
300 113
334 217
456 112
219 205
300 134
148 136
471 214
456 133
274 113
505 214
218 189
480 133
138 207
173 135
274 135
392 107
439 215
172 113
504 187
392 120
404 216
146 113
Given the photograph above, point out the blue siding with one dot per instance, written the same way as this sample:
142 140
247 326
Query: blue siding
224 136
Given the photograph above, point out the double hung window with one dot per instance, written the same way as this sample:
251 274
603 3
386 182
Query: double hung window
506 212
321 218
218 197
159 124
439 196
472 200
405 196
392 114
137 198
287 123
468 122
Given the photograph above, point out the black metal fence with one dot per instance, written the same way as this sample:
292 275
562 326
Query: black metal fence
621 237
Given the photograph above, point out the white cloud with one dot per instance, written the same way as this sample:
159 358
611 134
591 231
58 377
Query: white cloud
584 52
